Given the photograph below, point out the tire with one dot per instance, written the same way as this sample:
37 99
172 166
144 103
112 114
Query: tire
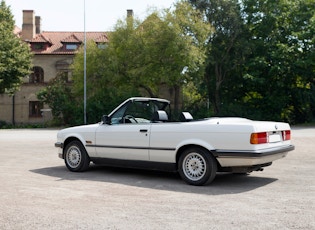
76 157
197 166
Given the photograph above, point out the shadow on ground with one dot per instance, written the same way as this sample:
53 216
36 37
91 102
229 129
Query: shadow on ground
223 184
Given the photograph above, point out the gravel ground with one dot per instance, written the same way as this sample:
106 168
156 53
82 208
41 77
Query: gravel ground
38 192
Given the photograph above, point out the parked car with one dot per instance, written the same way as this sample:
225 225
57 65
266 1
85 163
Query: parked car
140 134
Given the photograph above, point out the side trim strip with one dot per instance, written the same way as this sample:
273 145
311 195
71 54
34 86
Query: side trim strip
131 147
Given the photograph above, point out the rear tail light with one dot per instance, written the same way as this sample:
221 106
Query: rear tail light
286 135
259 138
263 137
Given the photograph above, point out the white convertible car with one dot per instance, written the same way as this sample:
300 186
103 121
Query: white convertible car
139 133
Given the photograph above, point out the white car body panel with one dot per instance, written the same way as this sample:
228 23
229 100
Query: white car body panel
133 144
228 139
155 145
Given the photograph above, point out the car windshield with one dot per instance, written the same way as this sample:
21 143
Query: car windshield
139 111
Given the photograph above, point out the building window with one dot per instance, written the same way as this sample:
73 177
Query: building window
65 75
71 46
38 75
38 46
35 108
101 45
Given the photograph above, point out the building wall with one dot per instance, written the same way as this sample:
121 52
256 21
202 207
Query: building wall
51 64
5 108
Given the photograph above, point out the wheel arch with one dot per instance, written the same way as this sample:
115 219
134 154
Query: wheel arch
69 140
181 149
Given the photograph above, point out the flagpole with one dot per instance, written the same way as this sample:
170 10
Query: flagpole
84 80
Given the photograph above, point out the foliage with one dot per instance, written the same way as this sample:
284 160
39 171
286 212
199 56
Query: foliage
261 58
249 58
281 66
5 125
58 95
141 56
15 56
166 48
104 89
226 47
195 102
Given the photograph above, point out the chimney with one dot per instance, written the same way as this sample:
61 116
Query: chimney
28 26
129 13
130 18
38 29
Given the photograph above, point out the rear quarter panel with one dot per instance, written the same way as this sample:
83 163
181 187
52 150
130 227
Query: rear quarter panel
230 134
207 135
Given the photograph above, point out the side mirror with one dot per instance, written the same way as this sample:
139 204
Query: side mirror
106 119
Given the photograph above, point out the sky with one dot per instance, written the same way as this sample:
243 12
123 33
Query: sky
68 15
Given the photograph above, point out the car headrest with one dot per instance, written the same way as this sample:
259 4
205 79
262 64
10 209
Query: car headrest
160 115
185 116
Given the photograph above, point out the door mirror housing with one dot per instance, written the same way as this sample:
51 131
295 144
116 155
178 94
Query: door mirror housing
106 119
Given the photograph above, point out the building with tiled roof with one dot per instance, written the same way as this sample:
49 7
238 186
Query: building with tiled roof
53 54
63 42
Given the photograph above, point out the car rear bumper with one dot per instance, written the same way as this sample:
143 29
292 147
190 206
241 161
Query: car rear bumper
250 158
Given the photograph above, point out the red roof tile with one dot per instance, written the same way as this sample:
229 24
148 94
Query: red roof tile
40 38
17 31
101 38
56 40
71 39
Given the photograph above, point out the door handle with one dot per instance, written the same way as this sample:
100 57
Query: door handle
143 130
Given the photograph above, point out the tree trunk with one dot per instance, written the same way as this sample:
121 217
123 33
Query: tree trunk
148 89
217 97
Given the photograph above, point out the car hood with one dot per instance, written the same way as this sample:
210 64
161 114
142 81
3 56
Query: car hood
79 129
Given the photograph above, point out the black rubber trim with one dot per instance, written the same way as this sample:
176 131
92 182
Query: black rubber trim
59 145
253 154
131 147
161 166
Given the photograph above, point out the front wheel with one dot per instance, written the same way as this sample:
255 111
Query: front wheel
76 157
197 166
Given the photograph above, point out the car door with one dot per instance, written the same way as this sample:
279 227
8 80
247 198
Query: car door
123 141
127 135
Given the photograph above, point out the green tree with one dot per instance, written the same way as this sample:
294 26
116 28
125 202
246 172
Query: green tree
190 45
261 58
60 98
105 89
226 50
15 56
141 56
167 48
280 71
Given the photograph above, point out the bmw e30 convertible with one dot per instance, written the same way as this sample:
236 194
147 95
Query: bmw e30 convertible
140 133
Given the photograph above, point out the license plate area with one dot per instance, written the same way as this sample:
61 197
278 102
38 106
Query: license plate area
274 137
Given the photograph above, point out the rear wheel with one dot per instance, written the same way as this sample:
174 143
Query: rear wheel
197 166
76 157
